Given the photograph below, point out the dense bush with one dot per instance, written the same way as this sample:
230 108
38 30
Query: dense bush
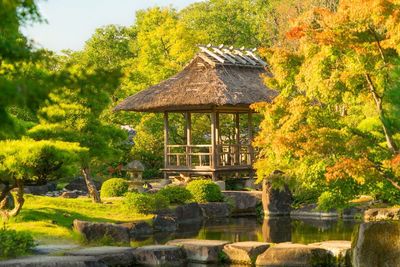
13 243
146 203
205 191
176 194
114 187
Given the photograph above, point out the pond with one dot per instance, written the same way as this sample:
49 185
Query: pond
279 229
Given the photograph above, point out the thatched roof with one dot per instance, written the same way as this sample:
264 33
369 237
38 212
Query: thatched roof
211 79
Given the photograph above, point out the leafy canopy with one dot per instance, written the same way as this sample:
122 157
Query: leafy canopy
337 115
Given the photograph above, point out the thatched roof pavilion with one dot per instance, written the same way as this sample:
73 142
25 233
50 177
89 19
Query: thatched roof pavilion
217 80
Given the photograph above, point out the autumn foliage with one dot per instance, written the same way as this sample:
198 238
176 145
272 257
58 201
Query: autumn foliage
337 115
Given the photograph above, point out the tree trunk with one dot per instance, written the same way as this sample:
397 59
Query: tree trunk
19 202
378 103
3 196
92 190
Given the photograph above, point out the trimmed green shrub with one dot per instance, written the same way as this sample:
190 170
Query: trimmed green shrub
176 194
114 187
145 203
205 191
13 243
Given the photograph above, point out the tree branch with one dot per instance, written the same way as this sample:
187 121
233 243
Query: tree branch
378 102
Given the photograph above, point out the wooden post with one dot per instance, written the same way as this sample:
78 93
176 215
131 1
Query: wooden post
217 140
166 132
188 134
250 136
213 145
237 137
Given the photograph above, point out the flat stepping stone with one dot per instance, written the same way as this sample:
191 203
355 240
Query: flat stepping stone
299 255
53 249
160 255
53 261
203 251
245 252
111 256
338 248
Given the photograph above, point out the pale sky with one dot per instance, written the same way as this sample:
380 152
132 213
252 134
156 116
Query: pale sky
71 22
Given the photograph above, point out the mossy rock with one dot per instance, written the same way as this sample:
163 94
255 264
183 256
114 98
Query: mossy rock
376 244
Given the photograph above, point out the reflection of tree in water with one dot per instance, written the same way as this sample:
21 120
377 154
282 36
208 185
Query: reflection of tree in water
232 229
277 229
308 231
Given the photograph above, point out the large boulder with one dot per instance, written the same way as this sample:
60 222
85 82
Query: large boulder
188 212
244 252
215 210
382 214
201 251
53 261
376 244
296 255
138 229
340 249
165 223
276 201
244 202
79 184
93 231
160 255
112 256
39 190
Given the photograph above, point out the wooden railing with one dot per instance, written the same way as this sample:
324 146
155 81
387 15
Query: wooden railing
233 155
189 155
200 156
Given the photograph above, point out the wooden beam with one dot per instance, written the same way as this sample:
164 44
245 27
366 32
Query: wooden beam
166 133
205 50
237 137
250 136
217 139
213 144
188 133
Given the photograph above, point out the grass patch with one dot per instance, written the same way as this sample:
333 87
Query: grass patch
50 219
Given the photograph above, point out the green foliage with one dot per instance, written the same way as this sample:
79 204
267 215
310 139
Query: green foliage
329 200
384 191
114 187
205 191
148 144
14 244
145 203
38 161
176 194
338 195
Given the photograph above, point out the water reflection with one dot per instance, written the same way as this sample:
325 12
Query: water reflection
275 229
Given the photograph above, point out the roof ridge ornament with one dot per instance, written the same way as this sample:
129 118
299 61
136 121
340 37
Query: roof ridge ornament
224 55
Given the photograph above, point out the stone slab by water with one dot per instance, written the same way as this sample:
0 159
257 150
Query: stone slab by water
53 261
245 252
299 255
160 255
203 251
111 256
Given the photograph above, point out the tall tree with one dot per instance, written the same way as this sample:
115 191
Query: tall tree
74 114
338 97
23 71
